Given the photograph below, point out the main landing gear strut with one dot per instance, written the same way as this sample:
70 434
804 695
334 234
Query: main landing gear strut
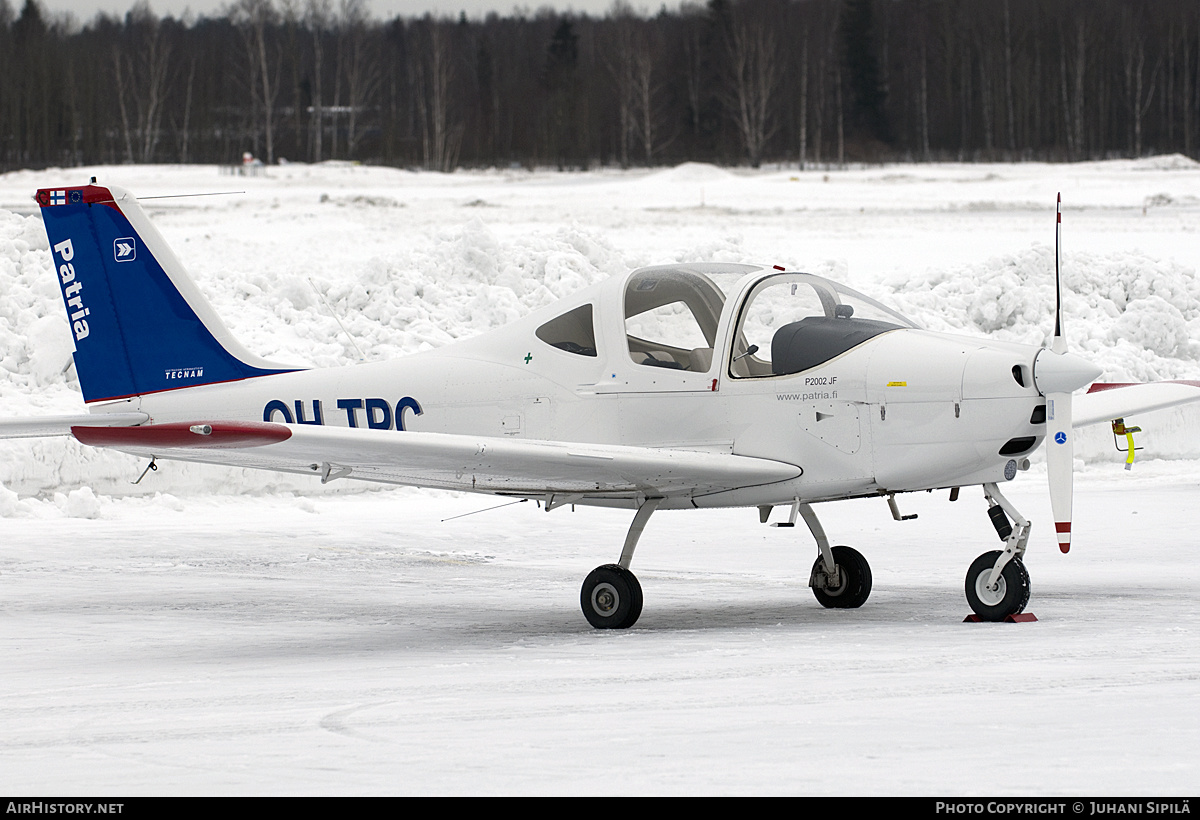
841 576
611 596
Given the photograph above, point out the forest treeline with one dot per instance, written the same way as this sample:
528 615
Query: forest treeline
729 81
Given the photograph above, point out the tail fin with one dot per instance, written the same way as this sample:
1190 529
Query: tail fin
139 322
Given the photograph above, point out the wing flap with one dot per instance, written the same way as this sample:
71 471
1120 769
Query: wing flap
449 461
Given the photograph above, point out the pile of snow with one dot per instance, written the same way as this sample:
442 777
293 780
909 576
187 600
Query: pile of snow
1136 316
35 343
691 172
1166 162
464 282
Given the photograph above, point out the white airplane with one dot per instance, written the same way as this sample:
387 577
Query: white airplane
671 387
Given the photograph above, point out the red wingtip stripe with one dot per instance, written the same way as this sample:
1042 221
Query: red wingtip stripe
1062 526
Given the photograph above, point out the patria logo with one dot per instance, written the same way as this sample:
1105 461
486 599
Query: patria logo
72 290
124 249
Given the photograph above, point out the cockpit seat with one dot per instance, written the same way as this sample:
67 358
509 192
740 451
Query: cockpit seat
701 359
661 358
815 340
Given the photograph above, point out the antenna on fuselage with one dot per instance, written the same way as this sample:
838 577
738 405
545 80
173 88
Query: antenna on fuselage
183 196
361 356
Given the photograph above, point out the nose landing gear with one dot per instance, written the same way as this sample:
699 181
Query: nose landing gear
1007 595
997 584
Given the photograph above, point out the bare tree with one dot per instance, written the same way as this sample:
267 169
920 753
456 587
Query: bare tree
618 59
141 64
433 70
1072 67
629 59
754 73
253 18
184 132
803 100
1189 85
317 16
359 63
923 93
693 52
1139 91
645 98
1008 82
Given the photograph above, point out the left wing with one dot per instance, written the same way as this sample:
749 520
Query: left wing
445 460
1107 402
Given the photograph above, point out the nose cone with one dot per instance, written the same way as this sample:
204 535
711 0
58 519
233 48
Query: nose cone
1062 372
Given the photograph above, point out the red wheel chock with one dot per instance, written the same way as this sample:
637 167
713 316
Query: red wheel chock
1021 618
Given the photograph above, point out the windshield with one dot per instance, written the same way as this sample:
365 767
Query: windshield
792 322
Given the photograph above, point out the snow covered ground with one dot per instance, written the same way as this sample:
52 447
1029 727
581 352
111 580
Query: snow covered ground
218 631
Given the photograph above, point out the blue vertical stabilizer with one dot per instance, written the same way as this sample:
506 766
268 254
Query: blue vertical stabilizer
139 323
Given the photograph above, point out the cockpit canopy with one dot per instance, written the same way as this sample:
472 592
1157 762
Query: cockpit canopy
785 323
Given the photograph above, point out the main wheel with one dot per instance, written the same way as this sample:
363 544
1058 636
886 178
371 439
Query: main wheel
852 585
611 597
1010 594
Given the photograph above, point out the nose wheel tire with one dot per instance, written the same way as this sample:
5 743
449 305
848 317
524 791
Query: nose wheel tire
852 584
1008 597
611 597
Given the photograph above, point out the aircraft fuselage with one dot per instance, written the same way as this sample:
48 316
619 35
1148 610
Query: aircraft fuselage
905 410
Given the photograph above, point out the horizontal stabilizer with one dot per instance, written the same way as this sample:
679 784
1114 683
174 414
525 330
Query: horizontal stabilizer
61 425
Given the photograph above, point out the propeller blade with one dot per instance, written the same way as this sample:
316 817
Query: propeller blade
1057 376
1060 464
